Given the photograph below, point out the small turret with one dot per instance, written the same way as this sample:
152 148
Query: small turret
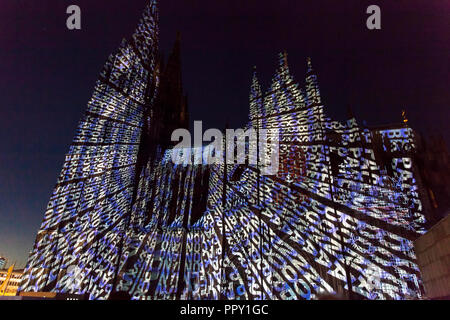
312 86
309 67
284 60
256 100
404 118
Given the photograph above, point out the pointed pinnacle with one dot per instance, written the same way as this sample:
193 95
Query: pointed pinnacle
283 59
309 64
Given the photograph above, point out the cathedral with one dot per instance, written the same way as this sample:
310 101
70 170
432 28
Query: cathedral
340 216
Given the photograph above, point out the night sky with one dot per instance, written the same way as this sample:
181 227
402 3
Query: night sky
47 74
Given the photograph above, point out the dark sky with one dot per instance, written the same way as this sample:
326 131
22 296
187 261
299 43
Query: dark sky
47 73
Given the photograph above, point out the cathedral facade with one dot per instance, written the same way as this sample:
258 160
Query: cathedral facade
340 215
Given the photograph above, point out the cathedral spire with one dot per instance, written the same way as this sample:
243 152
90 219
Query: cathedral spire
172 70
146 36
172 103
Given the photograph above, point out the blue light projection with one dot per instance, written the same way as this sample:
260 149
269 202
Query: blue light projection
340 215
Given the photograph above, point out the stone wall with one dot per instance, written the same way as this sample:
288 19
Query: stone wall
433 257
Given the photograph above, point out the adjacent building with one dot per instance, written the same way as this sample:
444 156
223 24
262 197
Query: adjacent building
433 161
10 281
433 257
